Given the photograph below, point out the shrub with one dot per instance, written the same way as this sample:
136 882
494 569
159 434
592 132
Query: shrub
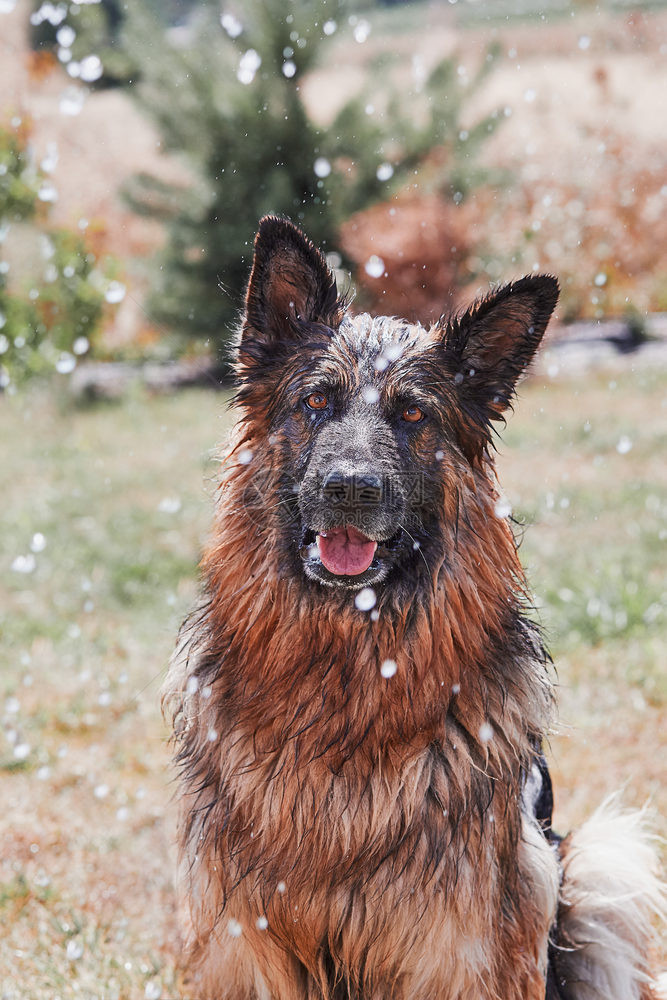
231 100
45 327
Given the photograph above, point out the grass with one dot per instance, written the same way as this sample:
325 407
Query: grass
108 507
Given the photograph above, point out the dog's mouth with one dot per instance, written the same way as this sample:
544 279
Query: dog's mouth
344 556
345 551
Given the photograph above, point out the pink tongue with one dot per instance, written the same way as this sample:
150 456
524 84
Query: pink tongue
345 551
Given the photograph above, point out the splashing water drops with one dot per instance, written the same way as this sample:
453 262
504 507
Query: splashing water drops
486 732
322 167
74 949
248 65
388 668
231 24
365 599
502 508
374 266
115 293
24 564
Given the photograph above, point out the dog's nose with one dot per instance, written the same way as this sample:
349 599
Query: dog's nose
357 490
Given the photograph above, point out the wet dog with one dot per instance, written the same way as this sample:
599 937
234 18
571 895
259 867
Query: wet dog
360 701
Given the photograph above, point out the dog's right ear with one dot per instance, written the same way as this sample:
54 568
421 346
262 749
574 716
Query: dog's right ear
290 285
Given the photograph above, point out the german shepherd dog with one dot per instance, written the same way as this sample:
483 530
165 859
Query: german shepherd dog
360 701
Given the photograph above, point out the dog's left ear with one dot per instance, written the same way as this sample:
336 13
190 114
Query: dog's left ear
489 346
290 284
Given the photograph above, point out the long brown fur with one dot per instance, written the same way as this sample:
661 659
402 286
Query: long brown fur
343 835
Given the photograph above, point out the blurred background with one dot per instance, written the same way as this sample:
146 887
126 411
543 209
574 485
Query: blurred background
431 149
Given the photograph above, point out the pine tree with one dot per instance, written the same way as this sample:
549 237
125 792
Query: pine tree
230 101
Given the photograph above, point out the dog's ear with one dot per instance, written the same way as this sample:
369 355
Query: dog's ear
489 346
290 284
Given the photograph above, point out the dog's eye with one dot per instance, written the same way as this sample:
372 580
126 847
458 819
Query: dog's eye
316 401
413 414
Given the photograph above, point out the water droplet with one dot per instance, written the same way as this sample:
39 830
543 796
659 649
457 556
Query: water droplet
388 668
66 363
393 351
115 293
65 36
91 69
248 65
365 599
80 345
38 542
74 949
47 192
486 732
374 266
24 564
50 161
322 167
231 24
502 508
169 505
361 31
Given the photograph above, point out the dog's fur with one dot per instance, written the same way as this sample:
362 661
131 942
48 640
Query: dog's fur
347 834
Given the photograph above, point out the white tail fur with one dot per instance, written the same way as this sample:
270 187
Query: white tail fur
610 897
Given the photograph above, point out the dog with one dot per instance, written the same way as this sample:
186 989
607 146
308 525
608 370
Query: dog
360 701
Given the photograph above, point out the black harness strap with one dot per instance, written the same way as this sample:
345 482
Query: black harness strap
538 800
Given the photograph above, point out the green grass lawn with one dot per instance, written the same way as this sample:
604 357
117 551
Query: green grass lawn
103 515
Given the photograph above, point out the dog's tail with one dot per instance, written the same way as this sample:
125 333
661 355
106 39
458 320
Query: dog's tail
611 897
